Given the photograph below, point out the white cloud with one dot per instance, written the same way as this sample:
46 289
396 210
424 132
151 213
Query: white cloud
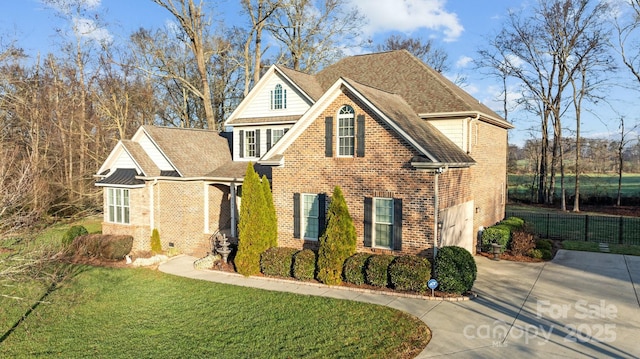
408 16
87 28
463 61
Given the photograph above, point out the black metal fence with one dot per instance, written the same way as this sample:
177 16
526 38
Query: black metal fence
588 228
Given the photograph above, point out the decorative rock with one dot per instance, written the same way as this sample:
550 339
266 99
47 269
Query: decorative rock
206 262
145 262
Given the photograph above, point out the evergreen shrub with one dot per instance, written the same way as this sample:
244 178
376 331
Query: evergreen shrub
410 273
72 233
354 268
304 265
455 269
277 261
156 245
377 270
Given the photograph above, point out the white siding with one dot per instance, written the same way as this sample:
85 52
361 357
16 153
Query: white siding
260 106
124 161
455 130
154 153
263 139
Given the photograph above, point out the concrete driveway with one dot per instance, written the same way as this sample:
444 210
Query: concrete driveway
579 305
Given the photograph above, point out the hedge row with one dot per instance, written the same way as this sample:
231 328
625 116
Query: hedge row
288 262
501 233
104 246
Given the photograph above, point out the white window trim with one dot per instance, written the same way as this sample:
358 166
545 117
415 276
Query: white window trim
303 217
122 209
374 222
283 98
351 116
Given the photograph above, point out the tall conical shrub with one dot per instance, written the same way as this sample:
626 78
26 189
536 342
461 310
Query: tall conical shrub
251 233
338 241
271 219
156 246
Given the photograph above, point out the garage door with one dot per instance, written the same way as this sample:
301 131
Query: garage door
457 226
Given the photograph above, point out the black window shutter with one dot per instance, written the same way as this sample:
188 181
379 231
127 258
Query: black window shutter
284 98
268 139
296 215
241 138
271 100
286 130
397 224
360 136
322 213
368 220
257 143
328 136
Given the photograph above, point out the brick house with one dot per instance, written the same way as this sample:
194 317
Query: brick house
420 161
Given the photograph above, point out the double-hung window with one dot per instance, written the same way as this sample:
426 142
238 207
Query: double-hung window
276 135
383 222
250 143
118 205
346 131
310 216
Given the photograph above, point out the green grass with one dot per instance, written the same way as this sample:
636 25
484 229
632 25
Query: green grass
124 313
590 185
581 246
594 247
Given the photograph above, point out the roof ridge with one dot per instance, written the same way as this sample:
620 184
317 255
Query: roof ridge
179 128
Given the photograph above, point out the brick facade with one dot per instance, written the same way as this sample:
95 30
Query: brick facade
178 213
384 171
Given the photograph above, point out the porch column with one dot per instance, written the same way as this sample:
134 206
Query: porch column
232 188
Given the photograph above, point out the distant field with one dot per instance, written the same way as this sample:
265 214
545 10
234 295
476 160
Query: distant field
591 185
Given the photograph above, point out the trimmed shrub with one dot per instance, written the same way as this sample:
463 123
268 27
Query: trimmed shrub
338 241
156 246
270 216
496 234
354 268
377 270
113 247
72 233
514 223
544 244
522 242
455 269
535 253
410 273
546 254
304 265
277 261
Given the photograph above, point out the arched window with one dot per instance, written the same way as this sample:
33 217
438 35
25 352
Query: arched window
346 132
278 98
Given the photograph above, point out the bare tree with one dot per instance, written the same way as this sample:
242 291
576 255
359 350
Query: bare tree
543 50
191 19
426 51
625 140
314 35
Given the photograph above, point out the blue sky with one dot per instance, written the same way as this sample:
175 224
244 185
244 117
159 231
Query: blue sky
457 26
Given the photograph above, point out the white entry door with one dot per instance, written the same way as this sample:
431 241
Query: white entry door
457 226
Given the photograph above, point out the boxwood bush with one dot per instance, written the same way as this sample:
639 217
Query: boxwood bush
277 261
354 268
514 223
410 273
455 269
304 265
377 270
72 233
499 234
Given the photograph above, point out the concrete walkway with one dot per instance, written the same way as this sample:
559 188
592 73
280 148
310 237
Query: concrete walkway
580 304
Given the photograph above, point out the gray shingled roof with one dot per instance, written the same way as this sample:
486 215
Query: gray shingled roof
122 176
141 157
308 83
193 152
421 131
399 72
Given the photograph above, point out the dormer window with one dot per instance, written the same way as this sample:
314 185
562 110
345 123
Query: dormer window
346 131
278 98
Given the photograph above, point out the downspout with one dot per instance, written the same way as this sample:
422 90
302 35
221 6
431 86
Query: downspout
471 121
152 212
436 229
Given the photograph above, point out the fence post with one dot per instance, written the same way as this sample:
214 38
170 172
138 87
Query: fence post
548 216
586 228
621 231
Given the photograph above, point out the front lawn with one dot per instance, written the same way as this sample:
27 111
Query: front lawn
125 313
625 249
